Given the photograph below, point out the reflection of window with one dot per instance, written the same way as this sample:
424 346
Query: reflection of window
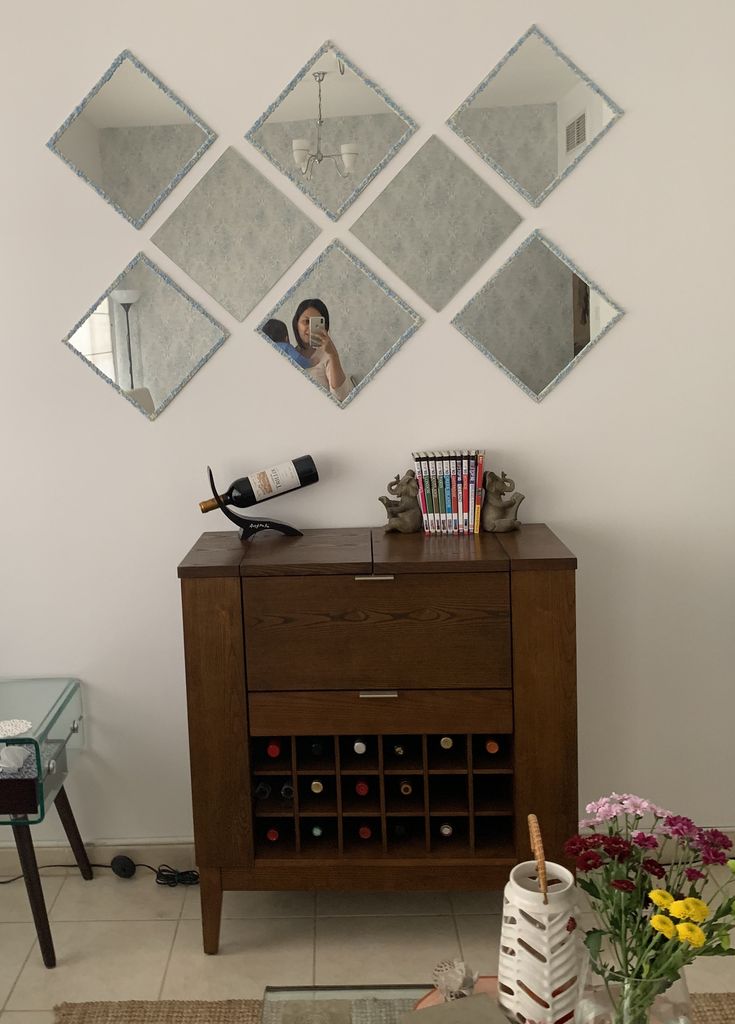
576 132
94 340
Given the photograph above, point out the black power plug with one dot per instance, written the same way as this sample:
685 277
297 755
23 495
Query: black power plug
122 866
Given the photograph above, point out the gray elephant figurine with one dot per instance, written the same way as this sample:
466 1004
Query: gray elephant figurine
499 514
403 510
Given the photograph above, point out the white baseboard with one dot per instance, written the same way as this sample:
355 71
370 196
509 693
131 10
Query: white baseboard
178 854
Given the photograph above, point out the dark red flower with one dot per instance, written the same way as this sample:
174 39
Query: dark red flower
713 839
571 924
654 868
693 874
589 860
645 840
574 846
712 856
676 825
592 841
616 847
623 885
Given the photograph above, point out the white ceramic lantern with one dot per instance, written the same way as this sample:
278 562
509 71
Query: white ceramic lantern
540 947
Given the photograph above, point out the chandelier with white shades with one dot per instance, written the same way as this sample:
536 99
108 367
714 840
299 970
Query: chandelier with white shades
306 158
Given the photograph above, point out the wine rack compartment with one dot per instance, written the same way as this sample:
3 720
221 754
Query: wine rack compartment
377 711
385 796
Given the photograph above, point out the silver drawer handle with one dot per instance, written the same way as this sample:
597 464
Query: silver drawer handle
379 693
359 579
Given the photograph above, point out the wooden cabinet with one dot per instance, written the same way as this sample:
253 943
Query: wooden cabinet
297 649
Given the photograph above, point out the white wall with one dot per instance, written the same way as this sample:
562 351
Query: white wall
579 100
629 459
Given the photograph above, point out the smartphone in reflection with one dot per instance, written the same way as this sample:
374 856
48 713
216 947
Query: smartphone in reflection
316 324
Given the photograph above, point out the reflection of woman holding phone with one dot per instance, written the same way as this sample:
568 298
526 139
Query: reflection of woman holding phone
325 367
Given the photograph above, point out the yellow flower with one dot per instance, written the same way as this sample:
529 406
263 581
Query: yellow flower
661 898
692 934
664 925
690 909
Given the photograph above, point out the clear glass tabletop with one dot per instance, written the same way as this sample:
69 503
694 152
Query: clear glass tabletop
340 1004
53 709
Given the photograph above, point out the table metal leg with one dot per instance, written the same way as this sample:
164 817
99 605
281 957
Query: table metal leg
29 865
72 833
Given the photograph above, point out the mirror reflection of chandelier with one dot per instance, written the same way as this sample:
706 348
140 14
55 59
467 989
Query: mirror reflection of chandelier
307 159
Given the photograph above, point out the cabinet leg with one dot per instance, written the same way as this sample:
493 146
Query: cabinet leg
29 866
210 886
72 833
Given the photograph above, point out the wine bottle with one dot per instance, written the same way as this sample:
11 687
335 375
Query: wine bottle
317 831
317 786
492 746
273 749
364 832
287 791
400 832
405 787
399 750
446 742
446 831
362 788
316 749
272 835
268 483
360 747
262 791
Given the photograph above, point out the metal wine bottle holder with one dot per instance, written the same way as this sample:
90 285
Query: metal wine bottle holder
250 527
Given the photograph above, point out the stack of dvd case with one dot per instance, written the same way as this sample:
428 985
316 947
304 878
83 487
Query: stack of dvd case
450 490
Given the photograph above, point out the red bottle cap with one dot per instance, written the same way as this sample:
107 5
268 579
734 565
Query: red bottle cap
272 835
364 832
362 789
273 749
492 746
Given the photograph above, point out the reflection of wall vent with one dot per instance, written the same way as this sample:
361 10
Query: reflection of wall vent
576 132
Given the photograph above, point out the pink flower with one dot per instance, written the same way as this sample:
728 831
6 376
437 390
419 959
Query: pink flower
693 874
589 860
676 825
645 840
654 868
623 885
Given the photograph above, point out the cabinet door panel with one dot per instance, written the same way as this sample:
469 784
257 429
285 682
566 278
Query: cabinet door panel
314 713
342 632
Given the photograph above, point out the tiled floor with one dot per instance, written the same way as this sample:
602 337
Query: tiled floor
133 939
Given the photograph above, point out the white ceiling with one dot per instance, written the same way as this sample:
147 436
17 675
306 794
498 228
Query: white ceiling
342 95
534 74
131 100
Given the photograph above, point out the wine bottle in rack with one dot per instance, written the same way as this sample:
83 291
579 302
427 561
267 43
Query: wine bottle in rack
399 750
365 832
492 746
273 835
317 831
262 791
446 743
316 786
316 749
287 791
273 749
268 483
400 832
446 831
362 788
360 746
405 787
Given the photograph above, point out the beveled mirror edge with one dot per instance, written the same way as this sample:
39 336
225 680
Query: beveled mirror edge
411 128
211 136
338 246
538 199
539 396
146 261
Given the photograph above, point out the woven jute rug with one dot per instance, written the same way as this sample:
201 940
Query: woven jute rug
709 1008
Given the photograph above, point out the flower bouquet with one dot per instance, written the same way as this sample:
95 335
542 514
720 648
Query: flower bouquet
653 918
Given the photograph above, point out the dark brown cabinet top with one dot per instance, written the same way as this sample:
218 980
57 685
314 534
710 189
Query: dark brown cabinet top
364 550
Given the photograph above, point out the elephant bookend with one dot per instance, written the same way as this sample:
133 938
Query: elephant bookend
403 509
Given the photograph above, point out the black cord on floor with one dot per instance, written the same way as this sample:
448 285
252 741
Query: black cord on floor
165 875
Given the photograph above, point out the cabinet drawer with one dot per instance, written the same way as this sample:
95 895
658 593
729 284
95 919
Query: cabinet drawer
449 630
323 713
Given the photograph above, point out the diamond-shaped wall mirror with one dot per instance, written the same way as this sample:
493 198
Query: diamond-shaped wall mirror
537 316
146 337
331 130
131 139
436 223
235 234
535 116
339 324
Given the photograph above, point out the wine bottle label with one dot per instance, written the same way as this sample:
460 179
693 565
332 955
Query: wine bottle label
269 482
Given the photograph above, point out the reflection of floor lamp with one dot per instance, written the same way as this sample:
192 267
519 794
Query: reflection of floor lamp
127 297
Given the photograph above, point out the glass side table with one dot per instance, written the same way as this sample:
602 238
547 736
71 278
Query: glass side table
40 734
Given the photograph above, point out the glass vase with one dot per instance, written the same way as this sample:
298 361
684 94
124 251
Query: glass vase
633 1001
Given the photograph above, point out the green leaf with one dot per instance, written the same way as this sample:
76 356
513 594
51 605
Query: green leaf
725 940
593 942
